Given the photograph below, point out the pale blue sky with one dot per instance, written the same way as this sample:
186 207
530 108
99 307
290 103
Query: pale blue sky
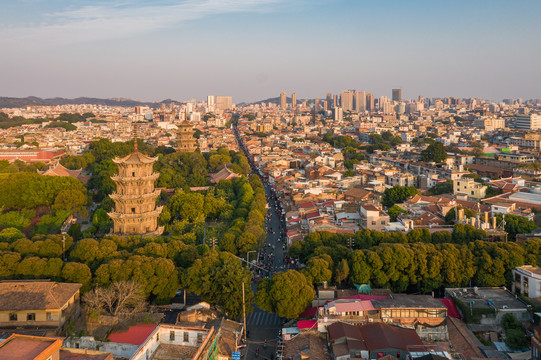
254 49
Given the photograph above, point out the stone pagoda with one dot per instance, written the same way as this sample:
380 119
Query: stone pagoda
135 210
185 140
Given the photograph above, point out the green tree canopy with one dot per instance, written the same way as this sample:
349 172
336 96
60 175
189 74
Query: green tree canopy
434 152
398 194
394 211
217 277
286 294
317 270
445 187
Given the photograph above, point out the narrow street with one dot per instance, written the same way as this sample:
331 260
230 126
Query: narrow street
263 327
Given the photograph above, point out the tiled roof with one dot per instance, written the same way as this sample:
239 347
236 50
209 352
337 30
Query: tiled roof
363 305
35 295
381 336
135 158
135 335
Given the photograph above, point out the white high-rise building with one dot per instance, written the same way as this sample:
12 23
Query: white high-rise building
338 114
224 102
360 101
210 100
283 100
347 100
528 122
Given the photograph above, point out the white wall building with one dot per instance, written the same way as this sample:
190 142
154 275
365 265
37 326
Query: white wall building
527 281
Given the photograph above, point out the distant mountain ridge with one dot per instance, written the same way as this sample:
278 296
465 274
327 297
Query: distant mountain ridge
13 102
274 100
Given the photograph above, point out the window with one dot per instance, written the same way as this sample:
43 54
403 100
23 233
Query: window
49 316
133 174
31 317
199 338
13 317
133 210
172 335
157 336
382 222
373 223
472 192
186 336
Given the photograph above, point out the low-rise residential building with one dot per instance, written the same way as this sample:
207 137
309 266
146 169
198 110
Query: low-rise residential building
373 218
423 313
372 341
536 343
24 347
469 188
153 342
500 300
37 303
527 281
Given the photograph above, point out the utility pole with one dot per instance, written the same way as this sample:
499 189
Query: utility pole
63 247
244 310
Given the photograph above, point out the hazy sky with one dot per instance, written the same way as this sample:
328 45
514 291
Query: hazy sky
254 49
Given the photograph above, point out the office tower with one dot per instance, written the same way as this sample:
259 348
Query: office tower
210 100
283 100
347 100
316 106
338 114
360 101
369 102
294 100
329 101
335 101
325 106
528 122
397 95
224 102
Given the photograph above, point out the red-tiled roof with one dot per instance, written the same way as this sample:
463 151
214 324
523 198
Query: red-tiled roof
451 308
135 335
313 215
307 324
308 204
309 312
367 297
381 336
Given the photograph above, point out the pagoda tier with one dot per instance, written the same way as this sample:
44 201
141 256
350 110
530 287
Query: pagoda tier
118 178
149 214
134 197
186 142
135 210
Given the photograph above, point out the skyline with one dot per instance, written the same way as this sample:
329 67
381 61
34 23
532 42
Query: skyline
189 49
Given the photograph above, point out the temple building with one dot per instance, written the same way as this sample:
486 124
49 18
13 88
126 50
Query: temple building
135 210
185 139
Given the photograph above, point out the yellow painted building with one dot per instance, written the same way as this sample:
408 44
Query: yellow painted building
37 303
469 187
